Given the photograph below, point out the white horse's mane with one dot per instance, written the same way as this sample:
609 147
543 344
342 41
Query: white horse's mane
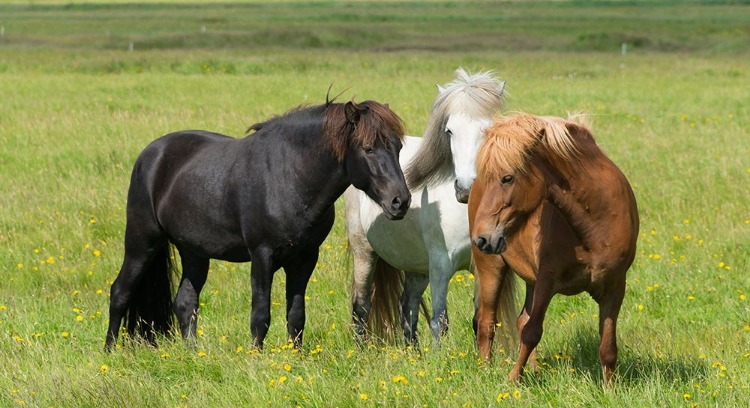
478 95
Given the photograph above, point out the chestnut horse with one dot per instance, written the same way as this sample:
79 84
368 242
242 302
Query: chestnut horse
549 205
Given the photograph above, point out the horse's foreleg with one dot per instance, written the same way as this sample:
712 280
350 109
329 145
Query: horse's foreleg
609 309
488 274
261 278
298 272
194 274
523 318
414 286
532 330
439 278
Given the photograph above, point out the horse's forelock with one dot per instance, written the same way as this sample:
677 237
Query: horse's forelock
506 146
374 119
510 141
478 95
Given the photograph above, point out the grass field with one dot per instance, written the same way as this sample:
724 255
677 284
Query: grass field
76 108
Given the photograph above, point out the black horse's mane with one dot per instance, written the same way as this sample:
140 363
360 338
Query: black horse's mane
297 110
312 110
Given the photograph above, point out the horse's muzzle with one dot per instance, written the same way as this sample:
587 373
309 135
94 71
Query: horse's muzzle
462 193
397 208
489 246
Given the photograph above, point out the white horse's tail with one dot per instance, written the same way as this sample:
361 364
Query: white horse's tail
507 311
384 319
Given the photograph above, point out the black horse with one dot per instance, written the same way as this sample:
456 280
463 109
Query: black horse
268 197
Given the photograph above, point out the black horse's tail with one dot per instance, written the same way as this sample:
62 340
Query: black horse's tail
150 311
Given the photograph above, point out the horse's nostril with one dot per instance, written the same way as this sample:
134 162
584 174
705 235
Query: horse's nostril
396 203
481 242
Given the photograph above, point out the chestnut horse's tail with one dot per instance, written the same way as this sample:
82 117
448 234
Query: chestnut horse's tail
150 310
507 311
387 288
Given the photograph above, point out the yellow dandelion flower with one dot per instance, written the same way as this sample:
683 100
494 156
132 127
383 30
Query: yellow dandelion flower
400 379
640 307
501 396
79 318
65 334
363 396
20 265
3 308
287 367
104 368
516 394
282 379
97 253
201 354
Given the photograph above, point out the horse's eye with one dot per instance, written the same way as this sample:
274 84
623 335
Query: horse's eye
369 149
507 179
448 132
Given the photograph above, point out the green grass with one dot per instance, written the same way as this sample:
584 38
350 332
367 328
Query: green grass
76 108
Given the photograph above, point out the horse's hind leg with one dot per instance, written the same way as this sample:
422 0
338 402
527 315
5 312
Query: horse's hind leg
414 287
609 309
142 244
362 280
194 274
298 272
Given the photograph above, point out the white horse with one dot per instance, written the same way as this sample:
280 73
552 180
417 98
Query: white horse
399 259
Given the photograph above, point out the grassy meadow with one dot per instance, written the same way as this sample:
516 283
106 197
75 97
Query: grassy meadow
77 106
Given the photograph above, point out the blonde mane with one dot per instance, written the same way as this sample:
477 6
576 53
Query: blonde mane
511 141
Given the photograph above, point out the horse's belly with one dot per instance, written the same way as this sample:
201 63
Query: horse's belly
434 233
400 242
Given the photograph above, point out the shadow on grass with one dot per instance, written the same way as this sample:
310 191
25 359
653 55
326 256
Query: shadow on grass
634 366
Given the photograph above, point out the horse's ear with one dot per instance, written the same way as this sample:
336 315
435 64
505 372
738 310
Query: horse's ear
440 88
501 88
351 112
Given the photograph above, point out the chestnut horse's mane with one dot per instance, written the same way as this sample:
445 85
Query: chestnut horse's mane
512 140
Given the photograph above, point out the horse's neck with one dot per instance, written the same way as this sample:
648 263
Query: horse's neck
319 179
582 204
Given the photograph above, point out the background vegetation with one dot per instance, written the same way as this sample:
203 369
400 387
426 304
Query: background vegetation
77 106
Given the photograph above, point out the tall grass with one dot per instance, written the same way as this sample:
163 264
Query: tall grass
72 122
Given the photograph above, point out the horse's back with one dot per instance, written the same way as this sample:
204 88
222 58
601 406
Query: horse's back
182 182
